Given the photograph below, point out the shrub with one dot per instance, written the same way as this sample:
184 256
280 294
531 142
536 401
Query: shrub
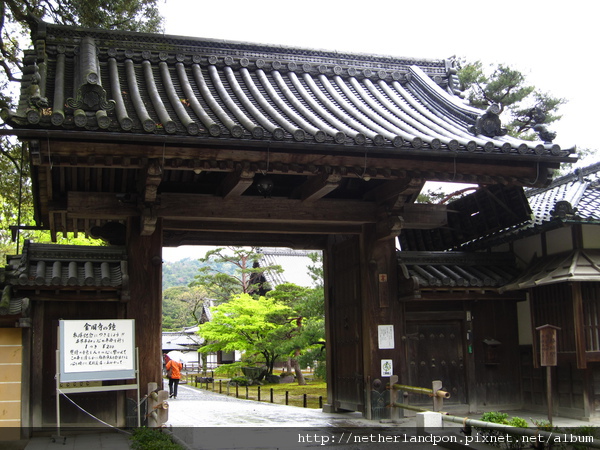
152 439
241 381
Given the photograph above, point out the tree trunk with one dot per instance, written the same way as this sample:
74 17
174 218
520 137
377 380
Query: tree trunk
288 365
299 374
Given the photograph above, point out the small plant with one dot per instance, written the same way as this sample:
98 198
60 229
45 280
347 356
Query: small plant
241 381
152 439
495 417
518 422
497 437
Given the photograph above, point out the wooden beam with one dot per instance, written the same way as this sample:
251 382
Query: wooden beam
509 168
258 209
236 183
424 216
297 241
319 186
101 205
396 192
240 209
264 227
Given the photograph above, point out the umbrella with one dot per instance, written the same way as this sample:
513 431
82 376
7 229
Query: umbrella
176 355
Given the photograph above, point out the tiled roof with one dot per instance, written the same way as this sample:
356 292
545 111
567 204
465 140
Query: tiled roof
573 198
580 189
490 209
444 270
219 92
64 266
577 265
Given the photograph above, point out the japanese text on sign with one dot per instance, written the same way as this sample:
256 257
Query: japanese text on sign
97 345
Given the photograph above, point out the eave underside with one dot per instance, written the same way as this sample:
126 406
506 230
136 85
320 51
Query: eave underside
208 194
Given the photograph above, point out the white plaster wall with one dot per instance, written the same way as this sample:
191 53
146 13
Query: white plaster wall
526 249
591 236
559 240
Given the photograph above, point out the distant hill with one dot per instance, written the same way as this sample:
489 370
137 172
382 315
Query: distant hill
179 273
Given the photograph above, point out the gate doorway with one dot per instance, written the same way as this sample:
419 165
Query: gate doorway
435 351
344 308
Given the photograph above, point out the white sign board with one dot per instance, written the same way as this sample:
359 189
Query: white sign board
97 349
385 334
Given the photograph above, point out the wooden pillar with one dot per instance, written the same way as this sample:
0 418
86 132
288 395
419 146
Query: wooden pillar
37 368
382 312
578 325
144 266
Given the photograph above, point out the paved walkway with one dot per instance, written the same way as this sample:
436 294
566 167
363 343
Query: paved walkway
204 420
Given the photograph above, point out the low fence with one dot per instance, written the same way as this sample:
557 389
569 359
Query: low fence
436 393
258 393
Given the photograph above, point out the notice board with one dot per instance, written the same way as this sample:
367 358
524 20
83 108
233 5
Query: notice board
92 350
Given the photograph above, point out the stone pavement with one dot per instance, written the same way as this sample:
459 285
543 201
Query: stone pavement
200 419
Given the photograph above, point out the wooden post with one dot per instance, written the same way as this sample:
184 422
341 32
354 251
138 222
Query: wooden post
548 358
145 305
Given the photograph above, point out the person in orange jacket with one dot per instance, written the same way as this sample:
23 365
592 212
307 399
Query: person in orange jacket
174 373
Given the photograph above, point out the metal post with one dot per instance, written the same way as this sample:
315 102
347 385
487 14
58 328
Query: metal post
438 401
57 377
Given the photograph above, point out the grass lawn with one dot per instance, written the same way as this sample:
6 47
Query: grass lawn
295 393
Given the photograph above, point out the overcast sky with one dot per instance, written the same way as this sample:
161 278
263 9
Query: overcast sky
554 43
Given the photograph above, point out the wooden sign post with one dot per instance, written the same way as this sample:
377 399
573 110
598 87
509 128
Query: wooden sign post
548 359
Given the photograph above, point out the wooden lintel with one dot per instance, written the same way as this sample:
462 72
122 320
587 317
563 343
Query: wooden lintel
88 205
297 241
236 183
101 205
319 186
260 227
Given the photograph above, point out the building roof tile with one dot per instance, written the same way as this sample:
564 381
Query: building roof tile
118 82
458 270
68 266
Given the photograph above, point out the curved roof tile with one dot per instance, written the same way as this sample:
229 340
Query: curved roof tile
154 84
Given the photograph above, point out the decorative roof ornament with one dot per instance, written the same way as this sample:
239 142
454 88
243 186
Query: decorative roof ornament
563 209
489 124
90 95
538 116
